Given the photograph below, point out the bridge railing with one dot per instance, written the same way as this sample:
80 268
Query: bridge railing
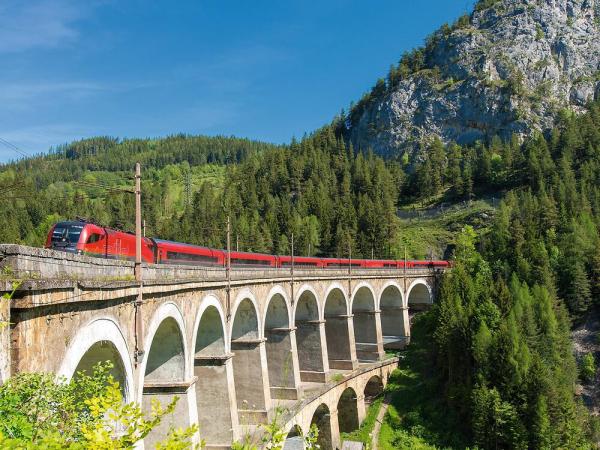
29 263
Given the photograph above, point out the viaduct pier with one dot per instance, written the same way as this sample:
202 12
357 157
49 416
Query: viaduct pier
235 347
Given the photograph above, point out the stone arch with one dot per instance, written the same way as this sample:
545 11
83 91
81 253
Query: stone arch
419 293
210 357
249 371
95 342
165 346
365 318
210 338
394 317
283 315
246 305
322 419
373 389
338 329
363 297
303 292
164 369
336 294
280 346
294 439
310 336
348 411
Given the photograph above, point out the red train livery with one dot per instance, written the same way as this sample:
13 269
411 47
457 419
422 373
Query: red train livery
90 239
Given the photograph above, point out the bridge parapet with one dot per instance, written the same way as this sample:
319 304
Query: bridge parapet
44 265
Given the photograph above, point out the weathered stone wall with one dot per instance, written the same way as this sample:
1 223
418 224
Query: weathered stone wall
4 339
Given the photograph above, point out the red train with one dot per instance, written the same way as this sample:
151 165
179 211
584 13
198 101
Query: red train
90 239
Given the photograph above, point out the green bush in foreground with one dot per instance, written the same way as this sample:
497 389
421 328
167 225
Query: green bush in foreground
37 411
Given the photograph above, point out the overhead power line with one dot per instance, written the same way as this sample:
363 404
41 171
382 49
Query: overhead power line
15 148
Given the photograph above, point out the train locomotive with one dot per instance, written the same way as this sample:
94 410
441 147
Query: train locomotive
87 238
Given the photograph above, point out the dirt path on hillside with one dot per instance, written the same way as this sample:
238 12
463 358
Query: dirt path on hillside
586 339
378 422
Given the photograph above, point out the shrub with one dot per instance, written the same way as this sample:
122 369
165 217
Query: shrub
39 411
587 369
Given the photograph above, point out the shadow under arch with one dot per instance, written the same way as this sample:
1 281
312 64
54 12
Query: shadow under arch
101 352
394 318
99 341
165 377
294 439
310 333
340 351
279 349
348 411
250 377
365 326
322 419
373 389
212 386
419 294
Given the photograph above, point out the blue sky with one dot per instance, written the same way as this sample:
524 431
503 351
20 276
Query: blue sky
266 69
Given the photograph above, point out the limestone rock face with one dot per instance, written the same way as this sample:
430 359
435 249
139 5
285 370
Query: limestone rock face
509 68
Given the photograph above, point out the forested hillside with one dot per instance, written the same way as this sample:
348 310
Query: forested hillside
333 199
501 356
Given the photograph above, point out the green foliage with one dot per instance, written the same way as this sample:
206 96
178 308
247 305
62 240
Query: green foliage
38 411
273 436
539 33
417 416
587 368
504 357
337 377
485 4
363 434
7 297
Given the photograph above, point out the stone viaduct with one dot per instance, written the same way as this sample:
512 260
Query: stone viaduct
235 348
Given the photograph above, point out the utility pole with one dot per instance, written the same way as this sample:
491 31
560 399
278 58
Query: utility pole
188 188
138 222
405 270
139 330
237 242
292 269
144 228
349 267
228 268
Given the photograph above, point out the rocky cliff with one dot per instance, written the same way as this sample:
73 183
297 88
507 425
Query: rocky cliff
508 68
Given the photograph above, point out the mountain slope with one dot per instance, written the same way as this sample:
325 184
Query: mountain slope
510 67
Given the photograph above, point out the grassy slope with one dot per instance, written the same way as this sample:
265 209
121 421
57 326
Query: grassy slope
422 231
363 434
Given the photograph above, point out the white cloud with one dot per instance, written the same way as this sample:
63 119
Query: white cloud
30 24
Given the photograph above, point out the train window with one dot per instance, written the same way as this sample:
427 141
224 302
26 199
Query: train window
297 264
254 262
190 257
67 233
94 237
